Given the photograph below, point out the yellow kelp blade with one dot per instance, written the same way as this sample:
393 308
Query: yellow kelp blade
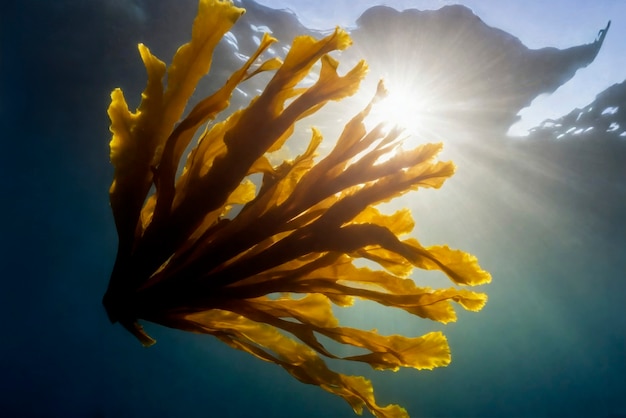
138 137
264 279
266 343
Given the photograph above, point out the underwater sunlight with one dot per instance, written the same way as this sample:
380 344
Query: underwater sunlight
264 278
400 108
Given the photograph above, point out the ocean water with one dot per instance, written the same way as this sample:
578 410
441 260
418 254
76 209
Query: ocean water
542 208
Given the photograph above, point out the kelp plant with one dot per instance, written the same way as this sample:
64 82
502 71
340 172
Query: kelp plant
270 272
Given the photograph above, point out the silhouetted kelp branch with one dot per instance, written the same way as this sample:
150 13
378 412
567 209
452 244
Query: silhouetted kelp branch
275 267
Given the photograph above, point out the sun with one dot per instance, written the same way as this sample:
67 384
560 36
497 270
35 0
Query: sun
410 107
399 108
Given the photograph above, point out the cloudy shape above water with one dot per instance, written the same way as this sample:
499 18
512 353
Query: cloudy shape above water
464 77
463 74
536 24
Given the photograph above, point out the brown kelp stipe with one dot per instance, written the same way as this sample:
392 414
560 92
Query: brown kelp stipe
272 270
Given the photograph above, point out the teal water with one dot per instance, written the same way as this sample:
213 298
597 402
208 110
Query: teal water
544 213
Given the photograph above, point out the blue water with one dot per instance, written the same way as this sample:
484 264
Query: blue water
544 214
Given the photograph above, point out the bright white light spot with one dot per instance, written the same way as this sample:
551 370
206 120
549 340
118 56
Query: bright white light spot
260 29
613 127
400 108
610 110
232 40
242 57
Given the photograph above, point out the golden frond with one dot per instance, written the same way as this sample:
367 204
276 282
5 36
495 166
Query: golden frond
183 262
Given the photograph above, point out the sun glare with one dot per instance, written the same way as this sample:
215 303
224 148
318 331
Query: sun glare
408 107
398 108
